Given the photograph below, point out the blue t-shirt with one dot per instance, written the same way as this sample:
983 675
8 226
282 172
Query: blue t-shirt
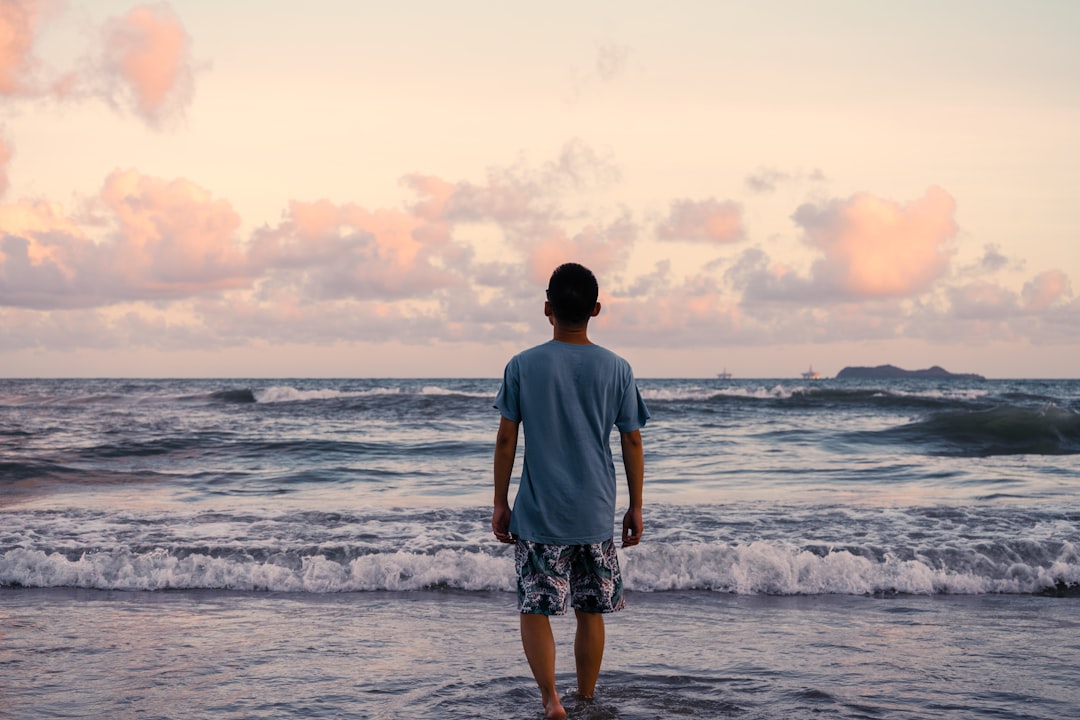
567 398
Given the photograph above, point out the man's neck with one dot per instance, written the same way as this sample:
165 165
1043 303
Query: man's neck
575 335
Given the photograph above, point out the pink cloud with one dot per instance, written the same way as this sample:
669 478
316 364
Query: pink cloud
708 221
516 196
341 251
163 239
147 54
169 252
435 195
36 217
988 301
982 300
527 206
42 256
578 167
695 311
874 247
1045 290
328 252
598 248
173 235
145 60
5 158
314 220
502 200
18 19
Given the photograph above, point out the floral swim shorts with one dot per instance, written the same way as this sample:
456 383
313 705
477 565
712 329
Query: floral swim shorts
548 575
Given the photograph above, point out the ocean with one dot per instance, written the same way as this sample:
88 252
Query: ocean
297 548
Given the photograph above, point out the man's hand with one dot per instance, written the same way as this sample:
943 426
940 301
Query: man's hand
500 523
631 527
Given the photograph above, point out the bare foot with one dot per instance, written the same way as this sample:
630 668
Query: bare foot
553 708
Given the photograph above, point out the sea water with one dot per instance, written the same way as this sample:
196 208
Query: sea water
322 548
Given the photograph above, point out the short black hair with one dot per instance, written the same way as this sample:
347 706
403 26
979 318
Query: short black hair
572 292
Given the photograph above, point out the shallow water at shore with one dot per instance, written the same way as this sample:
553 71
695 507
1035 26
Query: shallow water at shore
438 654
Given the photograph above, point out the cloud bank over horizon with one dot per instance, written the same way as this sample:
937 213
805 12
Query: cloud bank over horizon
146 261
171 255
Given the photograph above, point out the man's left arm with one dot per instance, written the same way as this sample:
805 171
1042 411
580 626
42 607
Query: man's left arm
633 455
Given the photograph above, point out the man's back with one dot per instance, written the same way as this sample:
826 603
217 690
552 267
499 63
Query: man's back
568 397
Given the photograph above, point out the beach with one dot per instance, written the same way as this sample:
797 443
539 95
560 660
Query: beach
437 654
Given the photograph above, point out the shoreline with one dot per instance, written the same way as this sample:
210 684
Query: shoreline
431 654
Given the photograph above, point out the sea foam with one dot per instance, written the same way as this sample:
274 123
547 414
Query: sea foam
758 568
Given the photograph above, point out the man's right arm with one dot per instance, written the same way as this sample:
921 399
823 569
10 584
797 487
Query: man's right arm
505 450
633 455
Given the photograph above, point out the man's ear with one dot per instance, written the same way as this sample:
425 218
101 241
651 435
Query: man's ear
595 310
547 308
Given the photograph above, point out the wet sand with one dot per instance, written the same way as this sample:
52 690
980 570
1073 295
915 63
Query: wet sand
79 653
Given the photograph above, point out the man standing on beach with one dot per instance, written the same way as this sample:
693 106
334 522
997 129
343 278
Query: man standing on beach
568 394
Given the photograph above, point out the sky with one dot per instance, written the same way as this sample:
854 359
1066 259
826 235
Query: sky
342 189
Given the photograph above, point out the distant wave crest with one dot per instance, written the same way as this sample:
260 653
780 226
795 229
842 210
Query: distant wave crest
234 396
810 396
286 393
1008 430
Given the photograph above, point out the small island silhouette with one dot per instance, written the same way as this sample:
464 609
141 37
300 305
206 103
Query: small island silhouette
890 372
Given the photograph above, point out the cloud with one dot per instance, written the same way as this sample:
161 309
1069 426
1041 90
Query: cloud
707 221
70 330
143 62
870 248
883 273
329 251
41 254
992 261
649 284
150 239
1046 290
984 311
580 166
767 180
611 59
172 236
755 276
18 22
161 263
1043 297
169 249
147 62
532 210
609 63
5 158
517 196
982 300
694 311
603 249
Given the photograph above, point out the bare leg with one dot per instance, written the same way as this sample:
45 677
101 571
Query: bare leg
588 651
539 646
